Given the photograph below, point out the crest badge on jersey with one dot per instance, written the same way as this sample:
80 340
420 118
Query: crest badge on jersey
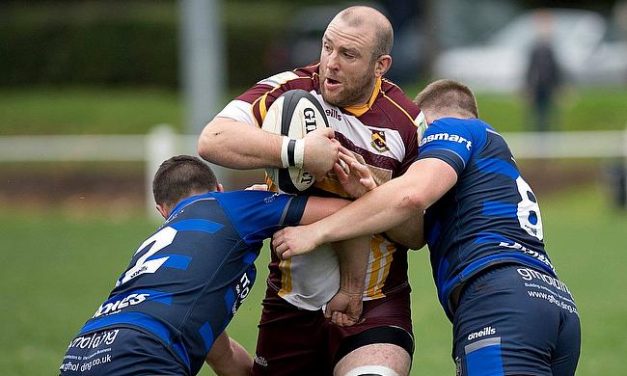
378 141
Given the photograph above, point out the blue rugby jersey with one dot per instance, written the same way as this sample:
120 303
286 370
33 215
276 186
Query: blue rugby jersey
185 282
491 216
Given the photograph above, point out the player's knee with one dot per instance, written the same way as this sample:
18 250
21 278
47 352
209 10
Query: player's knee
372 371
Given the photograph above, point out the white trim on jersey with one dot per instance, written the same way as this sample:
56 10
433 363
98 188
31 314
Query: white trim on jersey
278 79
238 110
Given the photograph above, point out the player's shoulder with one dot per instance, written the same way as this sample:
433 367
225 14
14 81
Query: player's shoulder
458 130
394 103
467 125
243 198
398 98
300 78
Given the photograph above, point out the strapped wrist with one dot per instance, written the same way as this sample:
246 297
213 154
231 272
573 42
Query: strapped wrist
292 152
299 153
284 152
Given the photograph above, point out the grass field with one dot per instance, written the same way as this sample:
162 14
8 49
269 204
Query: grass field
56 268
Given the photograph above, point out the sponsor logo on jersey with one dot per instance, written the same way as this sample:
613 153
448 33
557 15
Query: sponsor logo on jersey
536 255
378 141
487 331
94 340
458 366
333 113
261 360
242 289
118 305
446 137
530 274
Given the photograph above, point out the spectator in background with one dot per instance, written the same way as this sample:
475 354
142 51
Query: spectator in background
543 75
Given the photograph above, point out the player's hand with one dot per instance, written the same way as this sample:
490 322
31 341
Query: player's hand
321 152
293 241
345 308
355 177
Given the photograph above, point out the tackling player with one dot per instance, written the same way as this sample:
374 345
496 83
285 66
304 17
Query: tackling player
511 314
169 308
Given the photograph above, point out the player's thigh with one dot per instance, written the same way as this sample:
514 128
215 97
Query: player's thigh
567 351
290 340
566 357
382 344
508 322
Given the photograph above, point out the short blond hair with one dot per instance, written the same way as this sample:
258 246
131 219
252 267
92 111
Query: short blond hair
448 97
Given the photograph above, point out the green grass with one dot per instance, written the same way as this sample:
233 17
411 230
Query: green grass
135 111
87 111
56 269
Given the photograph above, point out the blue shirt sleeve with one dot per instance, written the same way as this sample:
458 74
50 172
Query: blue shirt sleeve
258 214
452 141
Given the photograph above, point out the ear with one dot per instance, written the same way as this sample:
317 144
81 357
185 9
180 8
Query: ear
382 65
430 116
163 211
219 188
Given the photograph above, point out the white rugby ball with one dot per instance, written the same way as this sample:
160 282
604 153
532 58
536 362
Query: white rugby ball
293 114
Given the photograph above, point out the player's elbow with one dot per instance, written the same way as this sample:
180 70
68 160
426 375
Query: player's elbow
415 241
209 142
411 203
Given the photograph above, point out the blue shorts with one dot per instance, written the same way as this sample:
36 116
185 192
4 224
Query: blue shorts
515 320
117 352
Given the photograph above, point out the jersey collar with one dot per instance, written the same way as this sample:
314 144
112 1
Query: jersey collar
186 201
360 109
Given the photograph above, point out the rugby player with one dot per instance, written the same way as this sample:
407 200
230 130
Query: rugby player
372 118
511 314
170 307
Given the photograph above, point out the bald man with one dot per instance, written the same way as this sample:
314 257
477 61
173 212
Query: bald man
372 120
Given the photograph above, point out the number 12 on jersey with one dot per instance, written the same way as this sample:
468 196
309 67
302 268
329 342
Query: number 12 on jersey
156 242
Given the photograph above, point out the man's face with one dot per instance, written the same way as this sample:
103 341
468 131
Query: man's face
347 69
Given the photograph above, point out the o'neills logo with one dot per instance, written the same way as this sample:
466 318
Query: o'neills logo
333 113
487 331
378 141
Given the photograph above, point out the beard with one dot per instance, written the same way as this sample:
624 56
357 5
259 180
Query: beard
352 93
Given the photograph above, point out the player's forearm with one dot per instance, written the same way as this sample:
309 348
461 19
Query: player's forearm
390 204
321 207
353 256
409 233
234 144
229 358
384 207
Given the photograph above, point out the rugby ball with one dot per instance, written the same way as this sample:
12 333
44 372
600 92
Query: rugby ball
293 114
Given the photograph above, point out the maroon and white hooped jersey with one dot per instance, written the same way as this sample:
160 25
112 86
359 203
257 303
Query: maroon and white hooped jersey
382 134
